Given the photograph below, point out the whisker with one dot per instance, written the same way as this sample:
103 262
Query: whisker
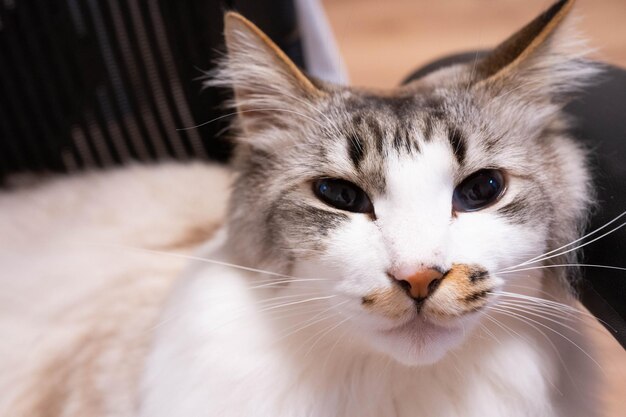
326 297
274 283
581 318
490 333
536 299
521 309
548 309
326 332
593 232
247 111
334 346
273 307
619 268
543 302
311 106
285 297
555 305
215 262
543 257
297 311
510 332
526 319
543 292
313 320
544 335
242 312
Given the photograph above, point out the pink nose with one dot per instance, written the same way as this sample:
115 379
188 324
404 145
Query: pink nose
421 283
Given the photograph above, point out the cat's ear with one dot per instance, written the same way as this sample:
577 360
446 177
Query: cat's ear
269 88
545 57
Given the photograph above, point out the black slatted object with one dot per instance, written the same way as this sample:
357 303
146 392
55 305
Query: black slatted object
598 113
602 127
95 83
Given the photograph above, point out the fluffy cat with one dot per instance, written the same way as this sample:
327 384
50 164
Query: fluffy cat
380 257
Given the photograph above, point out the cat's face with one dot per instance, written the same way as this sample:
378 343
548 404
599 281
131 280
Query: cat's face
406 205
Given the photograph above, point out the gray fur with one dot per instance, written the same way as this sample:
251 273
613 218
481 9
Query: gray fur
513 123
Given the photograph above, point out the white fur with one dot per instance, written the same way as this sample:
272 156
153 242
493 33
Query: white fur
68 274
221 353
215 352
222 356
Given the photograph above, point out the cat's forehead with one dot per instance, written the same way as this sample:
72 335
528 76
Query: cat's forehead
405 120
375 129
475 131
448 132
397 104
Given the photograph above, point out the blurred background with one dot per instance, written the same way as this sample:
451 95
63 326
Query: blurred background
381 42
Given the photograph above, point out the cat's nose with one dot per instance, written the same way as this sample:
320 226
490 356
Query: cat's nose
421 283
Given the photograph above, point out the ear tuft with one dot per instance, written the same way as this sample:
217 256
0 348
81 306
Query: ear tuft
513 51
545 58
244 37
267 85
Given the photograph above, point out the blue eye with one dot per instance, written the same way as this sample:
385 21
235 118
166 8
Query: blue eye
478 191
343 195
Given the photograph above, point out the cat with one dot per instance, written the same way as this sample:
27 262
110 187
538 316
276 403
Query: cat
384 253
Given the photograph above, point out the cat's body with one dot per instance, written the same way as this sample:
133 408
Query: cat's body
90 361
390 231
77 311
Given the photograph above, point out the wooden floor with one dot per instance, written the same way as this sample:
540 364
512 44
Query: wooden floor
383 40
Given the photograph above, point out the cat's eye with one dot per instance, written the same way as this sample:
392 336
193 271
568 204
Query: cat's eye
479 190
343 195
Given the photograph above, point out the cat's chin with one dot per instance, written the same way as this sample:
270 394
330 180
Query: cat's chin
418 341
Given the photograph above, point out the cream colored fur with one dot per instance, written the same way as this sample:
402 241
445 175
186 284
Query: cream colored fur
77 305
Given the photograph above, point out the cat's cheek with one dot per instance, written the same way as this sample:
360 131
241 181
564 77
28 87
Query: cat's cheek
489 240
356 257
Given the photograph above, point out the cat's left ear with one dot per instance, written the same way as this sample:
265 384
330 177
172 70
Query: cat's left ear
269 88
544 59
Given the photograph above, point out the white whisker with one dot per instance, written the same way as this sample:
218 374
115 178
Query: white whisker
555 252
313 320
535 299
526 287
573 311
547 309
323 335
528 319
593 232
251 110
544 335
619 268
289 279
522 309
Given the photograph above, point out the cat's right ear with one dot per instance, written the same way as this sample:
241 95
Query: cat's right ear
545 60
269 88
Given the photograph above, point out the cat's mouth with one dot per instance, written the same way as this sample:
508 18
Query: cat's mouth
419 324
421 331
459 294
418 340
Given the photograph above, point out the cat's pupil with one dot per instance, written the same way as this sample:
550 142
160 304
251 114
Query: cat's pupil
347 195
481 190
342 194
478 190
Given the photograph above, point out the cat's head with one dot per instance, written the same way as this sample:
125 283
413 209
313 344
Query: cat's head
407 204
